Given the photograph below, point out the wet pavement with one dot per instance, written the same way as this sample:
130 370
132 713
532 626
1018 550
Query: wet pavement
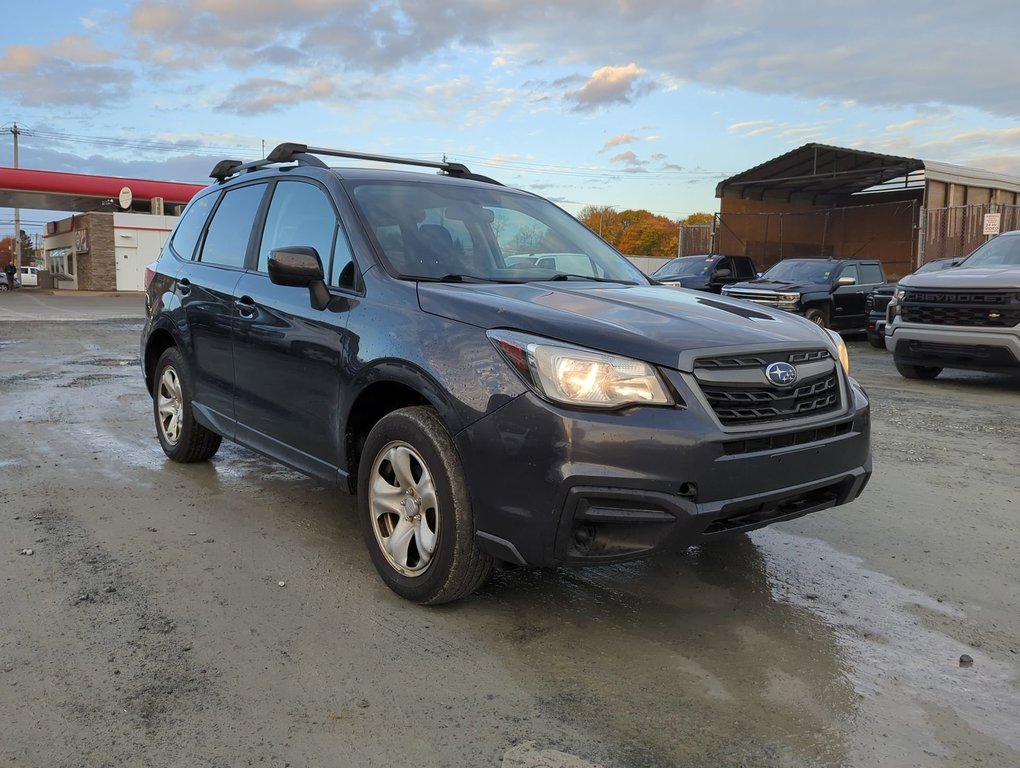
149 625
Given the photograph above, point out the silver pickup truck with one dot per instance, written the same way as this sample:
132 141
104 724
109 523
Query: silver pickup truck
965 317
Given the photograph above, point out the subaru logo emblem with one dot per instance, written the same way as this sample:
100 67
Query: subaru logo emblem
781 374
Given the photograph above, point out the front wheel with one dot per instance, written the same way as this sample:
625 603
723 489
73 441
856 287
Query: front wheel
416 511
183 439
918 371
877 341
818 317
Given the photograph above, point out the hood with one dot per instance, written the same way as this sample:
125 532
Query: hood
651 323
967 279
780 286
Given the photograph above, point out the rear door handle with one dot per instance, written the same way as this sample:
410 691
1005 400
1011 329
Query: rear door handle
184 286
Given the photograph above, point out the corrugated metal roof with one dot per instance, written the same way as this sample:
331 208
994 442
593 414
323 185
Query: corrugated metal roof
821 174
971 177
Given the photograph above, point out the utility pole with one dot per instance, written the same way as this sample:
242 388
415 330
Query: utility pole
17 211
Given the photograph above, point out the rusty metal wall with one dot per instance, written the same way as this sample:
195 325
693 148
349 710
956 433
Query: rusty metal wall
953 232
883 231
695 239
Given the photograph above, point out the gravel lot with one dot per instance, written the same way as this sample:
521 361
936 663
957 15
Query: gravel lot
227 614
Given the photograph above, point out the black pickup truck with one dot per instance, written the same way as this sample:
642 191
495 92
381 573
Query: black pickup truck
705 273
828 292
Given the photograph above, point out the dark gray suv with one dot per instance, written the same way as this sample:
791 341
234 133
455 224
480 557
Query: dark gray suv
492 380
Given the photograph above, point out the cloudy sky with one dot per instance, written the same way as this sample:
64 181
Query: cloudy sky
632 103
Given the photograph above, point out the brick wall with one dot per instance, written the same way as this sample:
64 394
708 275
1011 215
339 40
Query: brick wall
97 269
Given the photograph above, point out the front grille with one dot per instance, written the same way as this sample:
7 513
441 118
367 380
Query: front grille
768 298
786 440
739 398
983 309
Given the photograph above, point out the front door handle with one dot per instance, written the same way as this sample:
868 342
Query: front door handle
245 307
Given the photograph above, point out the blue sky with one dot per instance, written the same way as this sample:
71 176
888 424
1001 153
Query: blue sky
633 103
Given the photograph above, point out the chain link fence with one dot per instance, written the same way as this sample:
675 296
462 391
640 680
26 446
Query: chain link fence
951 233
883 231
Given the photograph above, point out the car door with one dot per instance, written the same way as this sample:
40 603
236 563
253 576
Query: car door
849 300
205 286
288 355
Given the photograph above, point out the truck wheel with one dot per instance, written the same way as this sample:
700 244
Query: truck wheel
416 510
877 341
818 317
917 371
183 439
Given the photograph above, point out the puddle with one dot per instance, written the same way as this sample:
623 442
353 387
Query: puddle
900 668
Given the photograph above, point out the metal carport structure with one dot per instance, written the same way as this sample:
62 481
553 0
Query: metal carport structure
826 201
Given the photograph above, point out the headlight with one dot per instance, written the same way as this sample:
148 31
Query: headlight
899 294
792 297
577 376
841 350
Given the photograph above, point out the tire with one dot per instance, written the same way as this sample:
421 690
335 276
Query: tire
183 439
3 287
818 317
415 510
878 342
917 371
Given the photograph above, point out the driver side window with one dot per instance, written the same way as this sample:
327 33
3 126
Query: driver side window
301 214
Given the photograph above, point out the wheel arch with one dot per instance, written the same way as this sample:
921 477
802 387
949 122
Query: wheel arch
390 390
159 341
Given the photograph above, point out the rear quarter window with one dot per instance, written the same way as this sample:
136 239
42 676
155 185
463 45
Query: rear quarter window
189 228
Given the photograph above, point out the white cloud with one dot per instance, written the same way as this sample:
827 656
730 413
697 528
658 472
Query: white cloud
610 85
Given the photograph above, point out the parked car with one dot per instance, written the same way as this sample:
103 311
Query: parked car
374 329
828 292
879 299
5 284
967 317
705 273
30 276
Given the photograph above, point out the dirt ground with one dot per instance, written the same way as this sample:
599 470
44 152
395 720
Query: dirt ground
227 614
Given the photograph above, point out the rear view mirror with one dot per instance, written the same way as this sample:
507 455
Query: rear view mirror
722 273
846 281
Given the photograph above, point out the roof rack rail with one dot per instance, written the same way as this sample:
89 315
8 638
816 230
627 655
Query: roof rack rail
290 152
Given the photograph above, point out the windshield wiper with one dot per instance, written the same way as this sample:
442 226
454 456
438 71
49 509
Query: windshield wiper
455 278
570 276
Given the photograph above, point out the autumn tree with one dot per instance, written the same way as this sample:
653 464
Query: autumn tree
7 249
637 232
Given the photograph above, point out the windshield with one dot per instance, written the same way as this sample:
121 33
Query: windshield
997 252
806 270
428 230
686 266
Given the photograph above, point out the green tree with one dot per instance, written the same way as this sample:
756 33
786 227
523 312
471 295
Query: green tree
28 253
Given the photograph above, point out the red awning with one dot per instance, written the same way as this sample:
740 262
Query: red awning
54 191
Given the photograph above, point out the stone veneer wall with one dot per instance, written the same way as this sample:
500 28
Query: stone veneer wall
97 269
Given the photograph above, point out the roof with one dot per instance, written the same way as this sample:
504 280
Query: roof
55 191
821 174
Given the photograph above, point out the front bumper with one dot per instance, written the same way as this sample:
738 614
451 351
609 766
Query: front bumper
552 485
977 349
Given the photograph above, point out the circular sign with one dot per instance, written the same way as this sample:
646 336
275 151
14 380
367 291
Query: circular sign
125 198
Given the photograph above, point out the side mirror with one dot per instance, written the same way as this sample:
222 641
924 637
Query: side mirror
841 281
722 273
299 266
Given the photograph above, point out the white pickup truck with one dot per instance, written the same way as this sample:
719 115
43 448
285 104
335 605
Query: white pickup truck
965 317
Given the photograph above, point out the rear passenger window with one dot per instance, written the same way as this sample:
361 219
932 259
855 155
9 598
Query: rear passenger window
189 228
742 268
226 242
300 214
870 274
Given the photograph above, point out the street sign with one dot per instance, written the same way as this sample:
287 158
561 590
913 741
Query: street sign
992 223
